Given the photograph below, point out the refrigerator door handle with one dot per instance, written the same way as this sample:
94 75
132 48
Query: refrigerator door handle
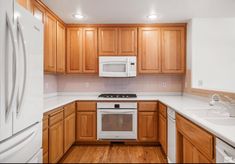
15 66
25 64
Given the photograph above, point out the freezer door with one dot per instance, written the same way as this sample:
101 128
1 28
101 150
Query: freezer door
23 146
7 68
30 48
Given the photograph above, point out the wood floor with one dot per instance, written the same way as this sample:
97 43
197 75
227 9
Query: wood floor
114 154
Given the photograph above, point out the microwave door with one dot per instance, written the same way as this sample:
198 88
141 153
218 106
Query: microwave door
114 69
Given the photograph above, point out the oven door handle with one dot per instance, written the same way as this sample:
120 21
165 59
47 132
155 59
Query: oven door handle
115 111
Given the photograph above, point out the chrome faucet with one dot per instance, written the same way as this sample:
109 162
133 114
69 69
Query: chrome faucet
226 102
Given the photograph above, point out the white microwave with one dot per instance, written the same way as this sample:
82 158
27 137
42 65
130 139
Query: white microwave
117 66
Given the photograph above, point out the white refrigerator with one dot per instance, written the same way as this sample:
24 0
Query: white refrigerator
21 84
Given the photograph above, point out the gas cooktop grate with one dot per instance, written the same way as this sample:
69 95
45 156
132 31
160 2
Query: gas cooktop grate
118 96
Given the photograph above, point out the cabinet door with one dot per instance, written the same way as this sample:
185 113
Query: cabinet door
149 57
69 131
148 126
74 50
26 4
108 41
50 44
163 133
173 50
90 59
86 126
127 42
60 48
56 142
191 154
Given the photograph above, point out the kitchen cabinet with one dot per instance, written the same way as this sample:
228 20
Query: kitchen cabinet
149 50
56 137
148 121
74 50
60 48
127 41
194 144
86 121
82 50
45 137
118 41
90 58
50 43
163 127
147 128
173 50
108 37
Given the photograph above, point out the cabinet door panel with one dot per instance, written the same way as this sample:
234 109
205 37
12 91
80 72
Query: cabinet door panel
173 50
127 41
108 41
56 142
148 126
38 11
90 59
149 57
74 50
163 133
69 131
50 44
60 47
86 126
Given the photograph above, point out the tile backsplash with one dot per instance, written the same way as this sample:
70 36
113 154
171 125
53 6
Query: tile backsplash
141 83
50 83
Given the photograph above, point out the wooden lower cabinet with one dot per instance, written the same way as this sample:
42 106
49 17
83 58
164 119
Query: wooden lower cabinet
86 126
191 154
163 132
147 128
69 131
56 142
45 139
193 144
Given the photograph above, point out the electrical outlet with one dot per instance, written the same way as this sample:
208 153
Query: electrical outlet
200 83
164 84
87 84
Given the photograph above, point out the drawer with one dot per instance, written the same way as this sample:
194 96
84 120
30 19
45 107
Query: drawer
69 109
86 106
147 106
163 110
56 117
200 138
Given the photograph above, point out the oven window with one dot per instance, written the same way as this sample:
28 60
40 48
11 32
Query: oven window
114 67
117 122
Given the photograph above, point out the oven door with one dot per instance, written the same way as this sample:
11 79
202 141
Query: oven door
116 124
113 66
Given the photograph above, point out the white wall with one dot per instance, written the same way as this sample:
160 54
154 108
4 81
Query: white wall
213 53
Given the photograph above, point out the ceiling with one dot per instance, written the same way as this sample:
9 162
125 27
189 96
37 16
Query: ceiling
136 11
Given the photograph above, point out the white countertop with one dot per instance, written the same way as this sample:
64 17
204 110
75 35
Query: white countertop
181 104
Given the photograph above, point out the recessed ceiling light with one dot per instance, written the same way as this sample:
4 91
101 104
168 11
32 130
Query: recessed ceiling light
152 16
78 16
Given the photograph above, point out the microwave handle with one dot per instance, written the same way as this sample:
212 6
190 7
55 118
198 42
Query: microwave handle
128 67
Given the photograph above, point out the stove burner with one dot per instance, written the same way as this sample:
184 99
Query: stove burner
118 95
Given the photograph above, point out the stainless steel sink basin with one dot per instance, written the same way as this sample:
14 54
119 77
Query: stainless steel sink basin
222 121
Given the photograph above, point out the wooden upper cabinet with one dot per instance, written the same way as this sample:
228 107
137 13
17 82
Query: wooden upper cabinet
74 50
60 48
108 41
127 41
50 44
38 11
90 58
149 57
173 50
27 4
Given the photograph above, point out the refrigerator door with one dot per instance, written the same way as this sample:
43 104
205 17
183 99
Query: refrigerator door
7 68
23 146
30 48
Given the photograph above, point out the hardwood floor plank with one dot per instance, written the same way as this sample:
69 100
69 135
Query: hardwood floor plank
114 154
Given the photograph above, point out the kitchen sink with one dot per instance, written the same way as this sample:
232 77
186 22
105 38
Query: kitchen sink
222 121
208 113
